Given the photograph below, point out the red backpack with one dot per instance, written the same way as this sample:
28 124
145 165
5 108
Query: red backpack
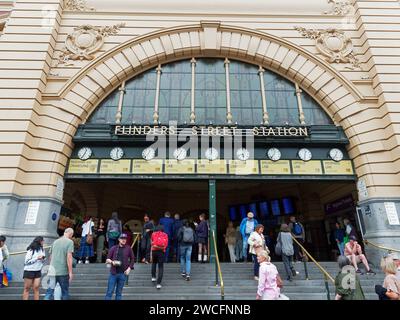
159 240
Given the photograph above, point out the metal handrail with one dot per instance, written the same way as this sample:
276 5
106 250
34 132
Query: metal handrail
23 252
136 239
218 269
390 250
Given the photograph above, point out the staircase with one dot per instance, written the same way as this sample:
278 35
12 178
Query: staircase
90 283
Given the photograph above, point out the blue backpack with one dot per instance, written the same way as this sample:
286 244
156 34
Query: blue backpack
297 229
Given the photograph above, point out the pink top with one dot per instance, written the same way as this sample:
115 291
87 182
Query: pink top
267 283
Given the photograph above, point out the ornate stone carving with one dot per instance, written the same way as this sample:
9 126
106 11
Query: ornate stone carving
333 44
84 41
77 5
340 7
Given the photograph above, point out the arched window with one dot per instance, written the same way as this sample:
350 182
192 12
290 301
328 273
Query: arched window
208 91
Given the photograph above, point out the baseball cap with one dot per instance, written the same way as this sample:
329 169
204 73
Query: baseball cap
250 215
123 236
354 238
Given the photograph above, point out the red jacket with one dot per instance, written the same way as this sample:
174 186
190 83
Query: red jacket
154 236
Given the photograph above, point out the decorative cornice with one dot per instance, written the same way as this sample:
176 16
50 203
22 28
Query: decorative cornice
84 41
77 5
333 44
339 7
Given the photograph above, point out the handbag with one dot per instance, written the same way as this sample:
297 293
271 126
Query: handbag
89 236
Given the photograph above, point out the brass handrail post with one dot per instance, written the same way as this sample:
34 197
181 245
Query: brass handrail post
218 271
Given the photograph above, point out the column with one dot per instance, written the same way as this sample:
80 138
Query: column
228 93
300 105
122 92
263 96
156 103
192 105
213 216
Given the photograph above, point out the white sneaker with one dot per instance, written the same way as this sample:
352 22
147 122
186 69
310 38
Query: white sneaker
153 279
158 286
87 262
256 278
80 261
199 257
205 259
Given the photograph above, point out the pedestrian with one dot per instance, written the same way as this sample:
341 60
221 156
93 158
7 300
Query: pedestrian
239 245
247 226
286 243
396 259
121 261
127 230
202 238
353 252
230 240
145 244
4 254
114 229
390 290
339 238
34 260
270 283
159 244
350 230
256 244
86 245
176 226
297 229
167 222
186 237
61 264
347 289
100 235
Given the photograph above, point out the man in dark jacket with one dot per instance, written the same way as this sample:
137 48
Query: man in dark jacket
145 243
121 260
177 225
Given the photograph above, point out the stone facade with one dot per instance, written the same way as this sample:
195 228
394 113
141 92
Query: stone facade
346 56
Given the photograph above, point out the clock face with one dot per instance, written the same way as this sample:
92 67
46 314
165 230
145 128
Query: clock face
180 154
116 153
243 154
305 154
336 154
274 154
84 153
211 154
148 154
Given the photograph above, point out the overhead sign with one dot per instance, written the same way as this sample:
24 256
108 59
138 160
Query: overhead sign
80 166
339 204
115 167
275 167
312 167
243 167
391 213
340 168
180 167
219 131
147 167
212 167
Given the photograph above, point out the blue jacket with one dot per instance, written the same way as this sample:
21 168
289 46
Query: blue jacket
243 226
175 228
167 223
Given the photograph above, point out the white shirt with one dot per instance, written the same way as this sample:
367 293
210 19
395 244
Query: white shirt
31 260
249 226
87 228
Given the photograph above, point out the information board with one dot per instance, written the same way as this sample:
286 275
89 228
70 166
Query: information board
212 167
342 167
141 166
312 167
83 167
180 167
243 167
275 167
115 167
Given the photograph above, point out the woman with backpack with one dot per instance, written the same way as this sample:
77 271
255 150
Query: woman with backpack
186 238
34 260
297 229
114 229
285 243
159 244
86 246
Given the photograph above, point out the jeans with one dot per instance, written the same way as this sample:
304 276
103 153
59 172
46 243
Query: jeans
145 247
158 258
100 248
112 243
167 251
256 265
231 248
245 246
63 281
287 262
341 248
185 255
239 250
297 254
115 280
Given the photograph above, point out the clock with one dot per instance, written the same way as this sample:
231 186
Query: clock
211 154
274 154
336 154
305 154
243 154
180 154
148 154
84 153
116 153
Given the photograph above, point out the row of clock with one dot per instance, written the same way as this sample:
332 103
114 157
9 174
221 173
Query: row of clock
212 154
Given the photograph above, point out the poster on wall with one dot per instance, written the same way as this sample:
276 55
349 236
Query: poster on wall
32 212
392 215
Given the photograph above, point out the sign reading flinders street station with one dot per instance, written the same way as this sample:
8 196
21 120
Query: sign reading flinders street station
219 131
